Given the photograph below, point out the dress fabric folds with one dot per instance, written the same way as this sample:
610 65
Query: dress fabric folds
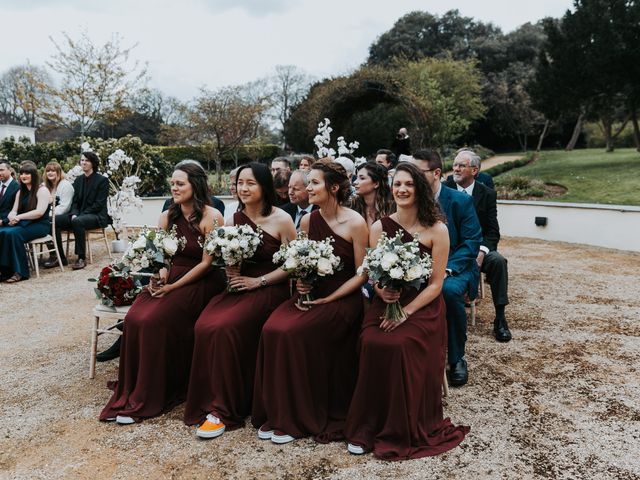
226 341
306 365
396 410
157 342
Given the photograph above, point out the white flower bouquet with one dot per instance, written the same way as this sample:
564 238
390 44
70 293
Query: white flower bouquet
231 245
152 250
395 264
308 260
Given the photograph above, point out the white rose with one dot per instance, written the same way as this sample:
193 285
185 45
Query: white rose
170 246
324 267
290 264
395 273
234 244
244 244
144 262
388 260
414 272
140 243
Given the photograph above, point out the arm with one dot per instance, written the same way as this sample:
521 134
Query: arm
65 192
41 207
469 235
11 217
102 193
75 203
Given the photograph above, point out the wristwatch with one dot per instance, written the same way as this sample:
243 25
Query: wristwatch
263 281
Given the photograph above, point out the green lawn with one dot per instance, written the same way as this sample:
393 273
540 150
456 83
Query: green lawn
591 176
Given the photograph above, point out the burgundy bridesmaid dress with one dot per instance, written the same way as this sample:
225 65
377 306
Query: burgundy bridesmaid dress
226 342
157 342
396 410
306 365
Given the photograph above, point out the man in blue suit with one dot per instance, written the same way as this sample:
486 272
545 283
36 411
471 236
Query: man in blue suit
465 236
8 189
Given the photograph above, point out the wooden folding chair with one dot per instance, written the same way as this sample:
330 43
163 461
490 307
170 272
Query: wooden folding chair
40 246
115 314
100 232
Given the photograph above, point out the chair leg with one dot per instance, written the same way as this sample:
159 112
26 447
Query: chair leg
88 247
445 384
481 285
35 260
94 347
473 312
106 243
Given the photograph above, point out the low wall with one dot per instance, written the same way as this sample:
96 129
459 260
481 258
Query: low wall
611 226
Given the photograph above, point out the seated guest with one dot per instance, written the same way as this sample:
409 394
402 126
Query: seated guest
215 202
386 158
373 200
27 220
281 184
88 209
298 205
8 189
280 164
480 177
402 361
60 188
465 236
305 163
465 168
157 342
228 329
232 207
306 362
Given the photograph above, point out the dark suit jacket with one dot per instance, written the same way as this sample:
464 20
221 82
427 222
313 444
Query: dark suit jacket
292 209
215 201
485 202
465 235
95 202
6 202
483 178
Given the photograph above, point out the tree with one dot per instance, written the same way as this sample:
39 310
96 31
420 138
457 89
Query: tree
93 80
23 95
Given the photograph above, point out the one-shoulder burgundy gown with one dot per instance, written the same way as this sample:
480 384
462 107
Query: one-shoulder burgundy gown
157 341
307 362
396 409
226 342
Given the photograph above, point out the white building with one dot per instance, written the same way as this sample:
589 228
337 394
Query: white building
17 131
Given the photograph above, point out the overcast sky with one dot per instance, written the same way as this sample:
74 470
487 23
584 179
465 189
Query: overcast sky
194 43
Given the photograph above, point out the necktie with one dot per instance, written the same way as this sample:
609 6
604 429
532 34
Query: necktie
302 214
2 191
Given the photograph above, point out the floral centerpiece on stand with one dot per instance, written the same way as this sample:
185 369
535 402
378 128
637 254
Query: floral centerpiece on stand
123 178
151 250
115 287
396 264
308 260
231 245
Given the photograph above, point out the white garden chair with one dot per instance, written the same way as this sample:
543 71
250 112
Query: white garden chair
40 246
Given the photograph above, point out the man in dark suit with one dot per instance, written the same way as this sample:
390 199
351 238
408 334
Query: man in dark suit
490 262
465 236
88 209
298 205
482 177
8 189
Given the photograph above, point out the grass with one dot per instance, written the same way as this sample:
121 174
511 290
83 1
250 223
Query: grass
590 176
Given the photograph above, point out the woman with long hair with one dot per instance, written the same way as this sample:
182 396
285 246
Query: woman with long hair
306 363
59 187
28 220
396 410
228 330
373 195
157 342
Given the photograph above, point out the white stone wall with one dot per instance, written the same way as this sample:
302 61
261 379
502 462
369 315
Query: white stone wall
17 131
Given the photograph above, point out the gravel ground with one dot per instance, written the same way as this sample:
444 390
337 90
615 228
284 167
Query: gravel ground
562 400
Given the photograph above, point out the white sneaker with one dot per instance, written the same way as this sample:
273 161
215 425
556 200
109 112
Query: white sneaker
264 434
355 449
124 420
211 428
281 438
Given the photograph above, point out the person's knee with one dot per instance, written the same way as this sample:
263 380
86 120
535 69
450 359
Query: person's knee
452 289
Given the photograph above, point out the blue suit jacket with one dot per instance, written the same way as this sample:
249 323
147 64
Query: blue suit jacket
6 202
465 235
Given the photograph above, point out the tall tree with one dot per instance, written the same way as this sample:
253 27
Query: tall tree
93 79
23 95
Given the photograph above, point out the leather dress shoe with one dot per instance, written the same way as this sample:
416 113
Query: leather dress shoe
501 330
54 263
458 373
79 265
110 353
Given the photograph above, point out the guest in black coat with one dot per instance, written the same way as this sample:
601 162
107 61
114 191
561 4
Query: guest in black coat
490 262
8 189
88 209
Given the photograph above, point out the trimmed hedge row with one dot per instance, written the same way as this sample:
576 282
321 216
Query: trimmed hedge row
245 153
505 167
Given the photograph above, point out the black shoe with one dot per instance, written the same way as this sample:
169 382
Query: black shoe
458 373
54 263
501 330
110 353
79 265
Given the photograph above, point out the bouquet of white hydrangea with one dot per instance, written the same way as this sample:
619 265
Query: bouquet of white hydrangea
152 250
395 264
308 260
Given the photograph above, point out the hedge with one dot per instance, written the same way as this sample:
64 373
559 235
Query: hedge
505 167
246 153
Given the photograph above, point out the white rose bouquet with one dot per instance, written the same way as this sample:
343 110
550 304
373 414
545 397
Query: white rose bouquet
152 250
396 264
308 260
232 245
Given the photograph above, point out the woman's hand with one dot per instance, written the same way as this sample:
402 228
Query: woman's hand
161 291
388 295
306 305
13 218
232 271
244 284
303 287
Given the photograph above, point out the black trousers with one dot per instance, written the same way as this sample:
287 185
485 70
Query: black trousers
494 266
78 225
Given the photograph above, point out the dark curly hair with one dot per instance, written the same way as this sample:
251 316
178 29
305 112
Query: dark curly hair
428 210
384 202
334 174
93 158
201 194
265 180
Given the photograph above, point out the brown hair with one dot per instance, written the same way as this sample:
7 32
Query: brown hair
198 179
384 202
334 174
428 210
30 168
55 166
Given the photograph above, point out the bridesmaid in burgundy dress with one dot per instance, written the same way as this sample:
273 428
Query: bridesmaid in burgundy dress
157 342
396 410
228 330
306 365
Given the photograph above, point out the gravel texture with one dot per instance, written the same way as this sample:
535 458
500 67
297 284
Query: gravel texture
562 400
